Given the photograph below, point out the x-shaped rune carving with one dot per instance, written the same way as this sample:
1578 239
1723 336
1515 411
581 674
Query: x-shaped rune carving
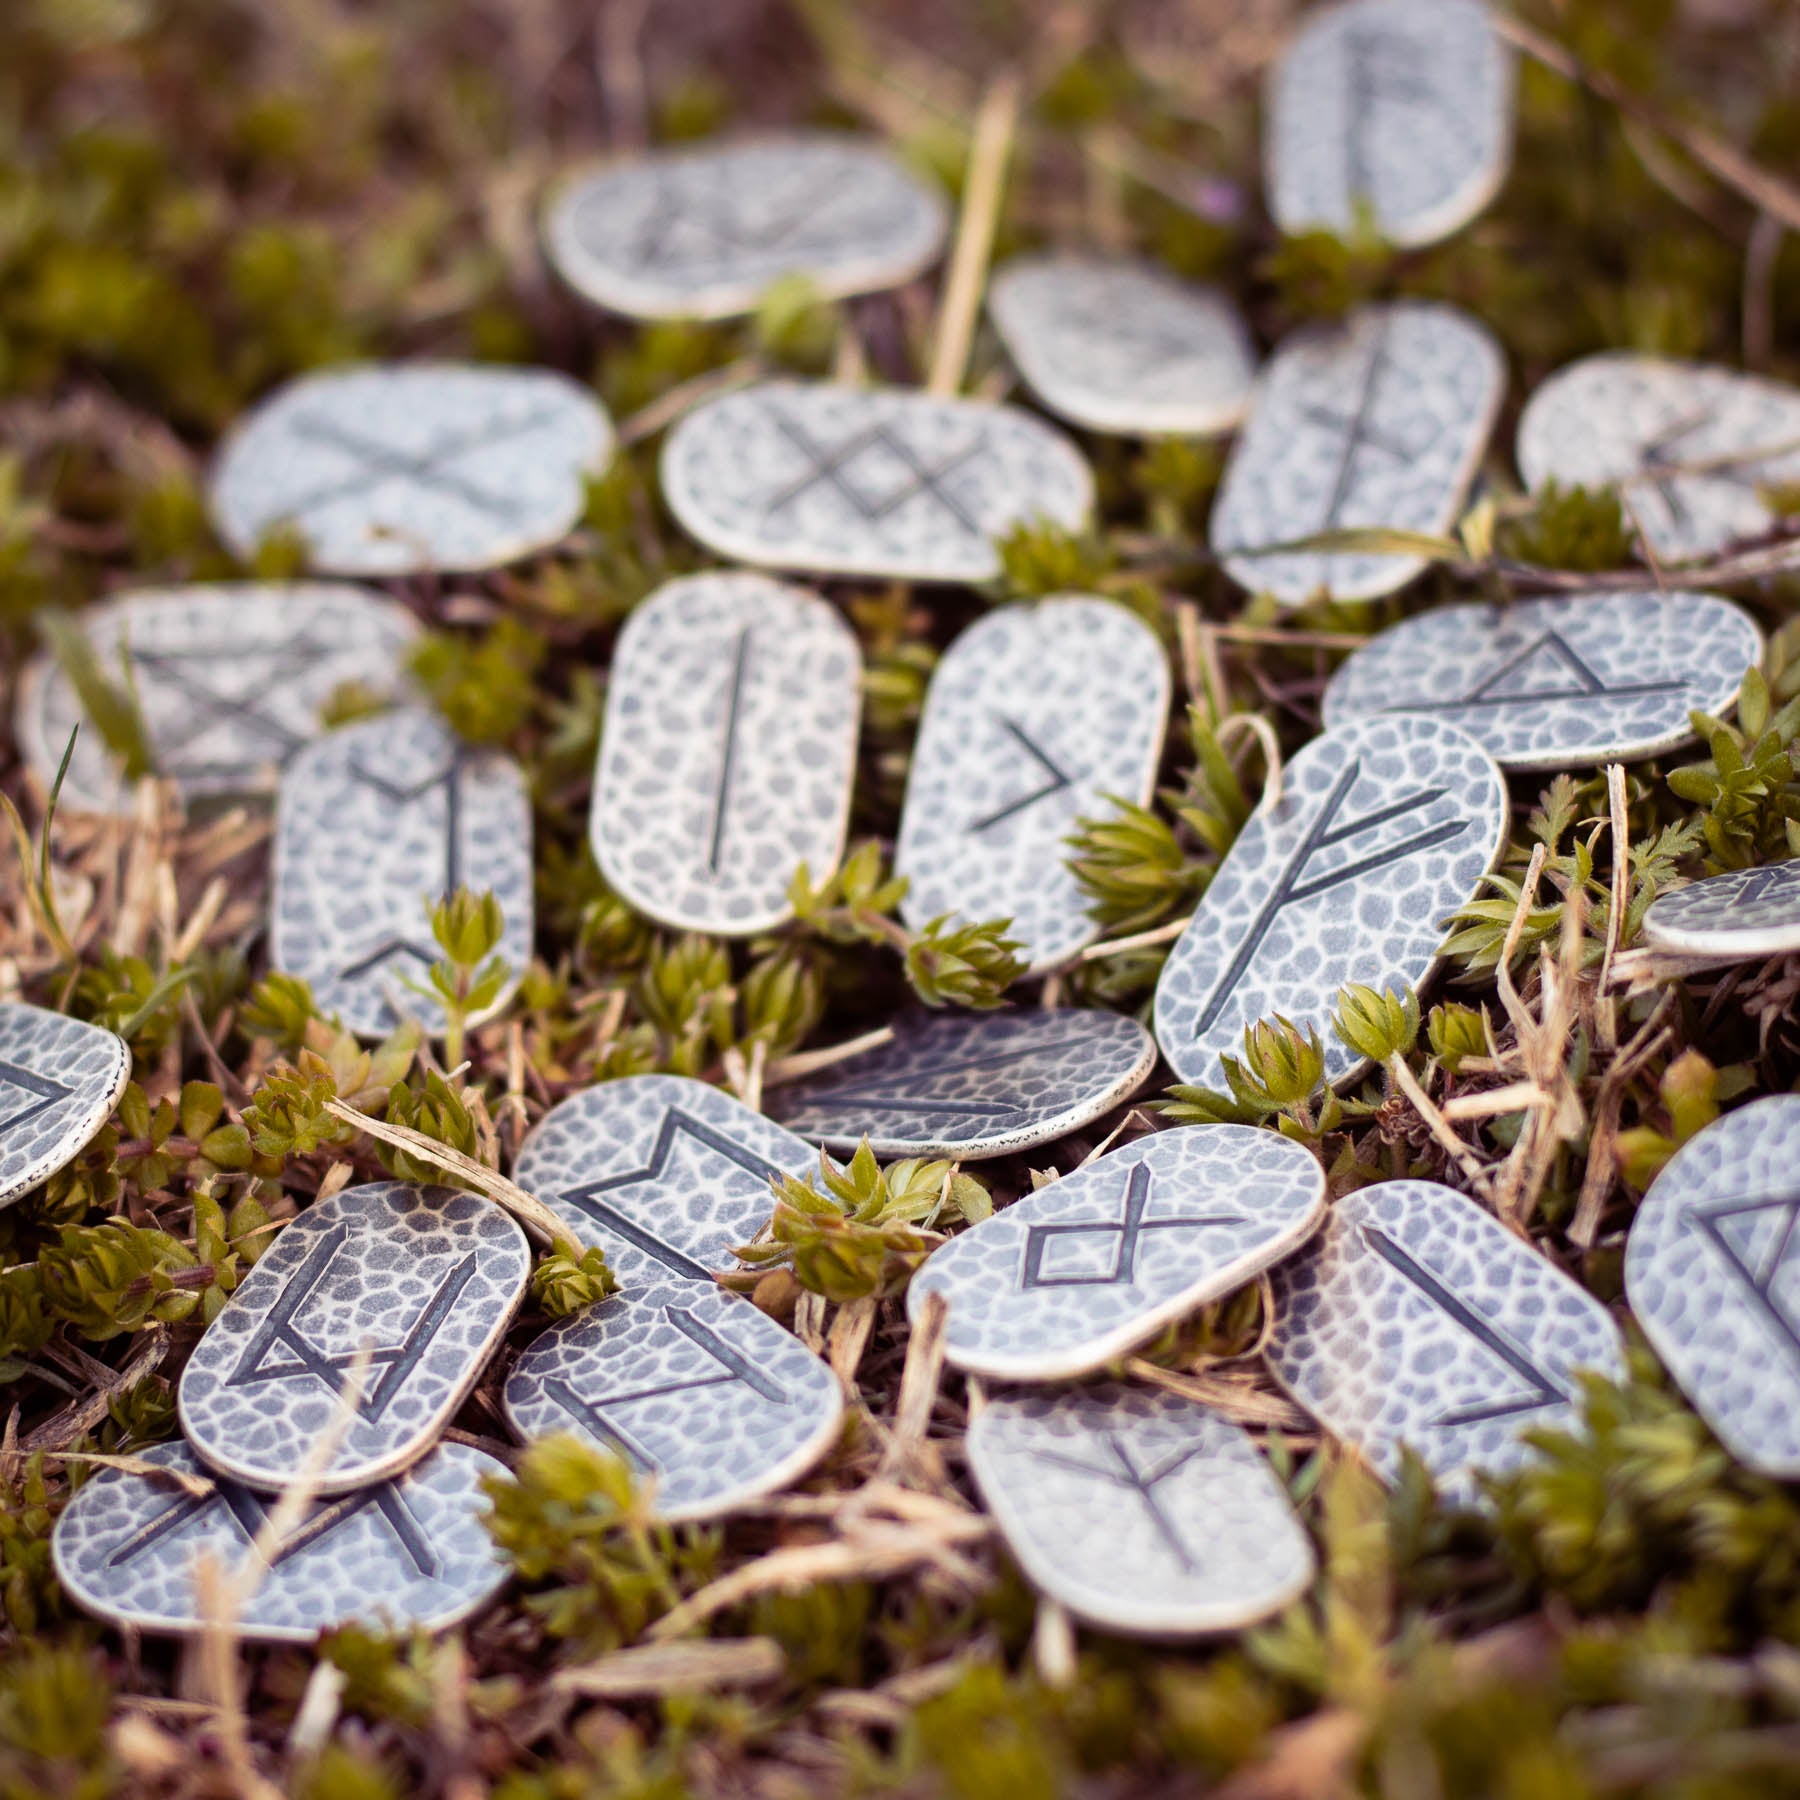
1133 324
1122 1470
40 1094
690 224
449 776
428 468
833 463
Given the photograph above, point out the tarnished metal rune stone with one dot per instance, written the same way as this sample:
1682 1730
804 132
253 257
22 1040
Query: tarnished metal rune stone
1737 915
60 1078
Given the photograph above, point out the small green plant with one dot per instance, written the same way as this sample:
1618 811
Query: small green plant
963 965
468 978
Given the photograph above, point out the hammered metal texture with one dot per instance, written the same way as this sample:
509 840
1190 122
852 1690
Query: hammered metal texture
729 751
973 1086
375 823
403 1555
1124 347
426 1279
1691 449
1037 717
1417 1320
231 680
59 1081
1563 683
704 1395
1402 107
1383 829
665 1174
1080 1272
868 481
1141 1512
399 468
1712 1272
704 233
1377 424
1740 914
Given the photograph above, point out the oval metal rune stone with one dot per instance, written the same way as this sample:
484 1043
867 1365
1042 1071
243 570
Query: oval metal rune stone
422 1281
1124 347
1037 716
1141 1512
1378 424
1417 1320
60 1078
1712 1271
1400 107
395 468
410 1553
230 679
694 1387
973 1086
868 481
1066 1279
1383 829
375 823
1740 914
729 751
665 1174
1691 449
1560 683
704 233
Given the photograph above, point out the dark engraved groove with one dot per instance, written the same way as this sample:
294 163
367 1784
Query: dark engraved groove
734 702
1545 1391
832 462
1757 1281
1141 1482
1289 890
1056 780
47 1093
1588 685
1129 1229
297 653
396 1361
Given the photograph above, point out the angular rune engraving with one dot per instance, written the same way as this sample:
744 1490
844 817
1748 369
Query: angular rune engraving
1139 1511
1054 782
204 678
1567 678
1760 1271
835 462
37 1094
59 1081
1739 914
1085 1269
1384 827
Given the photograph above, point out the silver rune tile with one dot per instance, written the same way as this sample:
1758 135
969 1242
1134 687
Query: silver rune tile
1741 914
697 1390
231 680
1384 828
1712 1272
1038 716
1691 449
1561 683
395 468
374 824
729 751
1402 107
868 481
703 233
1124 347
406 1554
1416 1319
1063 1281
971 1087
665 1174
1378 424
424 1280
59 1081
1141 1512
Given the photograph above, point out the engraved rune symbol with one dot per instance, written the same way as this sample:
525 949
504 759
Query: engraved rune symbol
1363 437
1664 466
836 463
1544 1390
734 703
689 227
249 1512
1128 1231
1122 1470
925 1070
1759 884
735 1369
39 1093
1760 1269
449 776
1380 73
1575 680
378 463
1292 887
1055 780
676 1124
281 1331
